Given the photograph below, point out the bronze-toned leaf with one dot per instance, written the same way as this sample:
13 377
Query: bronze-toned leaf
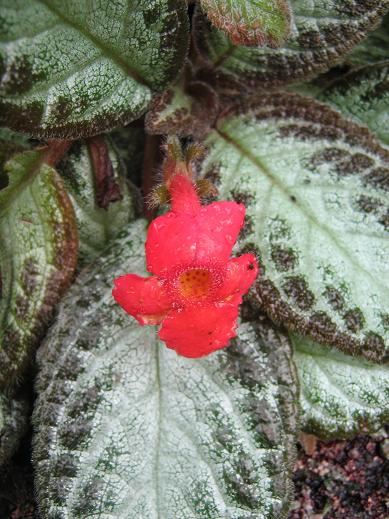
251 22
38 253
187 108
320 37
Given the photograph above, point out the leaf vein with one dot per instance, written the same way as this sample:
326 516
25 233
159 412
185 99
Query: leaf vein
104 49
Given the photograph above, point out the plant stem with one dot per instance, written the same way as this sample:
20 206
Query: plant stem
56 148
107 188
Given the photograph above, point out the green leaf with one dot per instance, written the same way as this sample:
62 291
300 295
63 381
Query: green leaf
321 35
251 22
374 48
79 67
10 143
341 396
125 428
14 415
315 188
363 96
38 251
97 225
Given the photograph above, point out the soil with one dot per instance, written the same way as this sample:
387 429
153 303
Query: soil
16 486
343 479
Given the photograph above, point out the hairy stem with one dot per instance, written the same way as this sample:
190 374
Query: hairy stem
151 161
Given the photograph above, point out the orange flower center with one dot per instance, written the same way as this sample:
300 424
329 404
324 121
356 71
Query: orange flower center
195 283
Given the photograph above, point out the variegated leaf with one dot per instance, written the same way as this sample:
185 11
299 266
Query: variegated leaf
103 200
79 67
251 22
315 187
38 252
125 428
321 35
341 396
374 48
363 96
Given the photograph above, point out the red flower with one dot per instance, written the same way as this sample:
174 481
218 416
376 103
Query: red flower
196 288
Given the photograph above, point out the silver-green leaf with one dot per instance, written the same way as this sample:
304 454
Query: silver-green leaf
127 429
374 48
341 396
78 67
315 187
88 190
38 254
363 96
321 35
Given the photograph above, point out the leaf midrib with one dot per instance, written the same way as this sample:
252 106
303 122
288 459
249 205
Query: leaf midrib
274 180
159 425
104 49
5 302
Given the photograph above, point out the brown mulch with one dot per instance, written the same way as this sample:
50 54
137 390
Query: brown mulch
343 480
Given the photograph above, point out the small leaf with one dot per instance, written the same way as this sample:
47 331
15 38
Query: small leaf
125 428
251 22
96 225
319 38
80 67
315 187
341 396
14 419
187 108
363 96
10 143
37 256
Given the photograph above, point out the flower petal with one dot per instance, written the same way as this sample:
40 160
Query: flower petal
240 275
143 298
198 331
177 239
